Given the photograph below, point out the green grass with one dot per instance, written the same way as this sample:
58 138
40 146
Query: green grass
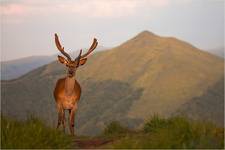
155 123
176 132
114 129
31 133
157 133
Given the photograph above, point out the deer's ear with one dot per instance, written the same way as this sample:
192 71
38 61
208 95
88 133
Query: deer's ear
62 60
83 61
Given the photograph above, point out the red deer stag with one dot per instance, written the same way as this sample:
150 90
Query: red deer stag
67 90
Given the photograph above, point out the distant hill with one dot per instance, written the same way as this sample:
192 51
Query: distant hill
15 68
218 52
146 75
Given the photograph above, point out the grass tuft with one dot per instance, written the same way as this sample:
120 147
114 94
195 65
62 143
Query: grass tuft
155 123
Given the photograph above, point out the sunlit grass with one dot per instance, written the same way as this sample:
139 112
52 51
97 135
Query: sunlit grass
176 132
31 133
157 133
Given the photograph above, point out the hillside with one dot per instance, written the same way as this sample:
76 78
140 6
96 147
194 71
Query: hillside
212 99
148 74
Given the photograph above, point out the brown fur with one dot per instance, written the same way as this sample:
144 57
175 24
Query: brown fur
60 92
67 100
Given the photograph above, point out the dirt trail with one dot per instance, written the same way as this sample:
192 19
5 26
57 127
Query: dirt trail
91 143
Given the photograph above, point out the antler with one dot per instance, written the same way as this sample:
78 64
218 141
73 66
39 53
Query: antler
79 56
60 48
93 46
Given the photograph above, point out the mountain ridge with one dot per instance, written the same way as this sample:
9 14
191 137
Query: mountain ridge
13 69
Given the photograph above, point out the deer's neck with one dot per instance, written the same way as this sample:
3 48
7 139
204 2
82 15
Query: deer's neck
69 85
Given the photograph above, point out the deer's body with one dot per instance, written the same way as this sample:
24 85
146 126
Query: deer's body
67 90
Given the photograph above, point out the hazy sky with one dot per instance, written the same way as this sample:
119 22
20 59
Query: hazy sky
28 26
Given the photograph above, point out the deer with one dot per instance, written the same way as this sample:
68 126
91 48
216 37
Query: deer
67 90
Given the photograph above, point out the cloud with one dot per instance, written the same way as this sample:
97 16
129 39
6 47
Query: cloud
110 8
19 10
101 8
91 8
12 9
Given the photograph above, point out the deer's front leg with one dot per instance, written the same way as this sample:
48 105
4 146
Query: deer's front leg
59 109
59 120
61 116
71 118
63 120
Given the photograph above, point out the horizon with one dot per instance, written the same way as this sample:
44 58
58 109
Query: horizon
200 23
56 53
106 48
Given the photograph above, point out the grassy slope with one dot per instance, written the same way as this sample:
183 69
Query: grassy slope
169 71
161 73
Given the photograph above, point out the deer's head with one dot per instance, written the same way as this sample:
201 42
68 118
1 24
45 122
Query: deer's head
71 64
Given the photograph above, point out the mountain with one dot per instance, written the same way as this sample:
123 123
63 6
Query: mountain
218 52
15 68
146 75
